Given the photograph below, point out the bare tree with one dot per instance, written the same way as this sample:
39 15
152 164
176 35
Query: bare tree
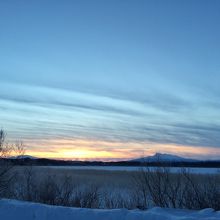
6 150
48 191
160 187
86 196
5 166
66 189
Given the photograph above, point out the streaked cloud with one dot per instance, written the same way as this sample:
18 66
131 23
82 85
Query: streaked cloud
49 120
139 75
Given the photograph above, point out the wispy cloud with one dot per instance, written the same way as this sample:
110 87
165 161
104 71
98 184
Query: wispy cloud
40 115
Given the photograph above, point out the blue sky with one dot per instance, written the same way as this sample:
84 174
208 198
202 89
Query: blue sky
123 78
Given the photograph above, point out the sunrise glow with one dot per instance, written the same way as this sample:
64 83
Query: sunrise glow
109 81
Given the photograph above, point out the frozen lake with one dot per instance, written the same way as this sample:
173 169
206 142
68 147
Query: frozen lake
134 168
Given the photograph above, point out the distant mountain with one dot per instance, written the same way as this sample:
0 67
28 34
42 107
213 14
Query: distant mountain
23 157
155 160
158 157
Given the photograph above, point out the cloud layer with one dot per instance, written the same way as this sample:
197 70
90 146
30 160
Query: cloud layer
122 77
51 119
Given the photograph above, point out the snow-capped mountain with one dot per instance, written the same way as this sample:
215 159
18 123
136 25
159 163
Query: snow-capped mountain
158 157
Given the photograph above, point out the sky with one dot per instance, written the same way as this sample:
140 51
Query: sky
112 79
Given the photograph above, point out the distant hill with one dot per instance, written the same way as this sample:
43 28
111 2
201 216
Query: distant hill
24 157
158 157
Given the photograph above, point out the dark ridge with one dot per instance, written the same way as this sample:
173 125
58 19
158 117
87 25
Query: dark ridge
52 162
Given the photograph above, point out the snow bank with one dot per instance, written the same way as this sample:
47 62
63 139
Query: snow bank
15 210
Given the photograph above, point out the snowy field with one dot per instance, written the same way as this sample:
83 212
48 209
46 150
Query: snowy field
16 210
134 168
86 187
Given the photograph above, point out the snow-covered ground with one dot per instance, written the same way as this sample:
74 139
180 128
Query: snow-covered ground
16 210
133 168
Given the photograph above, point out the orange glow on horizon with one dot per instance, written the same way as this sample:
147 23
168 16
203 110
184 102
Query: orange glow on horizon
82 149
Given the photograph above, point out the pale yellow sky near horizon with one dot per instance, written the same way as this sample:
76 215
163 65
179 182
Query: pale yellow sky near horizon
82 149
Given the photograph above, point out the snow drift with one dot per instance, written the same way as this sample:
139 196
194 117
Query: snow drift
16 210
